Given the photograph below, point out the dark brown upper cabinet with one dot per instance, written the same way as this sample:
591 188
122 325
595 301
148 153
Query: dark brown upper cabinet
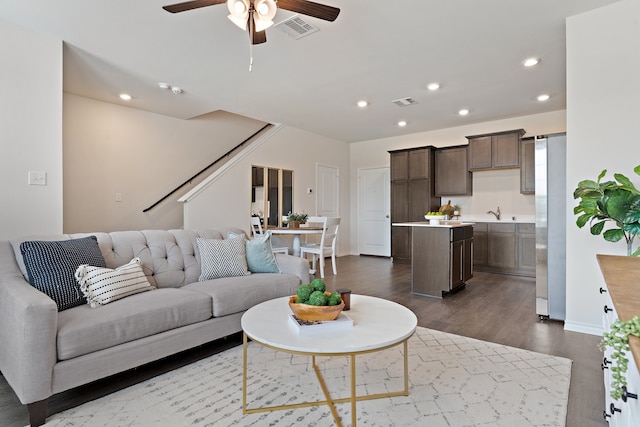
499 150
452 176
528 166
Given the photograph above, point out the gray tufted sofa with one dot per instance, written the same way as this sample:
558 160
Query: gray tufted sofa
44 352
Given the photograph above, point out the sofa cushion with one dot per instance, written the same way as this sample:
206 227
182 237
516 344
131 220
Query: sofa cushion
231 295
51 266
83 330
222 258
104 285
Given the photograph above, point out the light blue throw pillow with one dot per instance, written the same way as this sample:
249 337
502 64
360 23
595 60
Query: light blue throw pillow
260 257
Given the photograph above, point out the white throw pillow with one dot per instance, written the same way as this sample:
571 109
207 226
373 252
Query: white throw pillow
103 285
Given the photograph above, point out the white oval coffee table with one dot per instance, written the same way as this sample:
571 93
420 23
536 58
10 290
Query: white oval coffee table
378 324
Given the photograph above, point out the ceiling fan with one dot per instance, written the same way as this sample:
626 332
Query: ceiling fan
257 15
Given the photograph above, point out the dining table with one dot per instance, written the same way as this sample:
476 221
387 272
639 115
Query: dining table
296 233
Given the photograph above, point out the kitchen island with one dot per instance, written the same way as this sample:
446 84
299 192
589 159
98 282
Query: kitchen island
442 256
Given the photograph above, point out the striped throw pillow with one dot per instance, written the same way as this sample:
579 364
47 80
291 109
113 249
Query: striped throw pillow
103 285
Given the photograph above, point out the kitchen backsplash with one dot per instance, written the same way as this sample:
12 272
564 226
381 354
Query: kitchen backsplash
495 188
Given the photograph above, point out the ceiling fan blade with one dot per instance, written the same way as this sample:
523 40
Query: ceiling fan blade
259 37
188 5
309 8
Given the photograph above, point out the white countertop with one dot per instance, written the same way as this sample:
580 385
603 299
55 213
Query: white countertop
443 223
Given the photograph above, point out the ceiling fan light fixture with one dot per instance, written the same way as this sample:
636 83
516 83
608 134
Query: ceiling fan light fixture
238 12
265 11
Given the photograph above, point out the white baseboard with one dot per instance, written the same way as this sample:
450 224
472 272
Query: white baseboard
585 328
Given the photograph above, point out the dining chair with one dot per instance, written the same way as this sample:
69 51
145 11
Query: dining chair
256 230
327 244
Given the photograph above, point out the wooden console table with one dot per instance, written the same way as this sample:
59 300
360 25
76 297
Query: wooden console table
622 275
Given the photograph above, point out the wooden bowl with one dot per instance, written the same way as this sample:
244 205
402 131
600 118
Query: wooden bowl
315 312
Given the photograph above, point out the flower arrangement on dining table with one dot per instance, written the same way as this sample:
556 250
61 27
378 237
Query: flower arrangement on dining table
295 219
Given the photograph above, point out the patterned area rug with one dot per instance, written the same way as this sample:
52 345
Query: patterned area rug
453 381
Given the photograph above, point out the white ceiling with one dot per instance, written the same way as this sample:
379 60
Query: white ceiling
375 50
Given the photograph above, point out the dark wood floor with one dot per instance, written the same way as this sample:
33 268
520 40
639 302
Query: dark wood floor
496 308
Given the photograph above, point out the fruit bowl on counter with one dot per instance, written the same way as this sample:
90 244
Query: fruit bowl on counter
434 218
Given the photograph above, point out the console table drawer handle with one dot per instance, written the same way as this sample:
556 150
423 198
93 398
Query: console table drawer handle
626 395
602 290
607 309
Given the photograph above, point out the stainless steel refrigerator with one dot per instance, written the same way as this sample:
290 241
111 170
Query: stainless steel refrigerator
551 211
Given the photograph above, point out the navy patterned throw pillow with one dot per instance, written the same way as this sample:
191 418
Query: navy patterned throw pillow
51 267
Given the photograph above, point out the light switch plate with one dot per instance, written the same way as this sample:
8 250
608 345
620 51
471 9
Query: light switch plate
37 178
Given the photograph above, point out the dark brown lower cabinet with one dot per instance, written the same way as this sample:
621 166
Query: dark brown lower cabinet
508 248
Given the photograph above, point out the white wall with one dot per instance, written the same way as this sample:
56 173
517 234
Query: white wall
490 188
227 201
30 132
603 107
111 149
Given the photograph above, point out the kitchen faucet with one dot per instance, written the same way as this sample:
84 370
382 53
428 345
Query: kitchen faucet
496 214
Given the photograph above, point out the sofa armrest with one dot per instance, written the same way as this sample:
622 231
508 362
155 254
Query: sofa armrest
28 329
294 265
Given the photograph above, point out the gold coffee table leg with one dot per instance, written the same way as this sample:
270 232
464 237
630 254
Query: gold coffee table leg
325 390
244 373
353 398
353 390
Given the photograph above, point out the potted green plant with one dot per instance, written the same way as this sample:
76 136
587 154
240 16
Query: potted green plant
616 202
295 219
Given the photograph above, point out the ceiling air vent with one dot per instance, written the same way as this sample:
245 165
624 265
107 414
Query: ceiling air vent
295 27
404 102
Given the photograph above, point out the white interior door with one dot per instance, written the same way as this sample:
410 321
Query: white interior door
327 194
374 212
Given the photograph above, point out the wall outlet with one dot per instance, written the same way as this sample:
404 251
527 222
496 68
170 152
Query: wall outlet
118 197
37 178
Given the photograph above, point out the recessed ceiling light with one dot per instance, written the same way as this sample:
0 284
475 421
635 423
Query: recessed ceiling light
463 112
530 62
164 86
402 123
125 97
362 103
543 97
433 86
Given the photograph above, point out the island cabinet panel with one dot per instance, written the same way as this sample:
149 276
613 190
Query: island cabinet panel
411 195
452 176
528 166
507 248
467 254
495 151
439 264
